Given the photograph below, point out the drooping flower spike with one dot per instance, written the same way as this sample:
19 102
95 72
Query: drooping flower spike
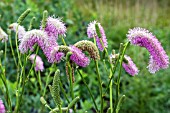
3 35
91 33
38 62
2 107
129 66
55 27
79 57
158 57
21 30
90 47
32 37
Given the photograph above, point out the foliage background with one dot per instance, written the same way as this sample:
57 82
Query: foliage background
145 93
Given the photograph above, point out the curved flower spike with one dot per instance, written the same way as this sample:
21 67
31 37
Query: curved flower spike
38 62
79 57
90 47
21 30
130 67
158 57
91 33
32 37
55 27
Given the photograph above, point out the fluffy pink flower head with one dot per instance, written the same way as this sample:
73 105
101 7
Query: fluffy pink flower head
2 107
91 33
21 30
55 27
158 57
32 37
53 55
3 35
79 57
38 62
130 67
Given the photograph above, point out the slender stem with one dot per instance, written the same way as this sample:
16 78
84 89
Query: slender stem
119 74
71 83
100 85
92 97
39 80
46 83
6 86
10 42
16 43
63 41
62 89
5 54
111 93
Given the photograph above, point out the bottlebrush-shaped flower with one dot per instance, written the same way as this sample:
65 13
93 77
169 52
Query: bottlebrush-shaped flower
158 57
32 37
79 57
90 47
21 30
130 67
53 55
55 27
3 35
38 62
91 33
2 107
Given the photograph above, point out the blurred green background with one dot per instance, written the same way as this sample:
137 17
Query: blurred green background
145 93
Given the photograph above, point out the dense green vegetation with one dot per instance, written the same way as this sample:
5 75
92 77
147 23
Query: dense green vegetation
145 93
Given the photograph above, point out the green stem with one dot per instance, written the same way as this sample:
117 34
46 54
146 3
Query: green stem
100 85
92 97
71 83
46 83
62 89
6 87
119 74
63 41
111 93
12 50
39 80
5 54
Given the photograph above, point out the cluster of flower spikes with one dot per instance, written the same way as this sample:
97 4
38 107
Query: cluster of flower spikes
46 40
2 107
92 33
158 57
127 64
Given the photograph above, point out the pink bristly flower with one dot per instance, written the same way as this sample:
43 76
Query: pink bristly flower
3 35
53 55
79 57
91 33
21 30
55 27
33 37
38 62
130 67
158 57
2 107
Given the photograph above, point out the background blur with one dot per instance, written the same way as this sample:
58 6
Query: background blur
145 93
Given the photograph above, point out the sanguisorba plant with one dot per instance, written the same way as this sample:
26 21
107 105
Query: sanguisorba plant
47 37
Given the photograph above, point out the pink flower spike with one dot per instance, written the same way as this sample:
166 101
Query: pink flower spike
55 27
91 33
2 107
130 67
79 57
158 57
21 30
38 62
33 37
3 35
